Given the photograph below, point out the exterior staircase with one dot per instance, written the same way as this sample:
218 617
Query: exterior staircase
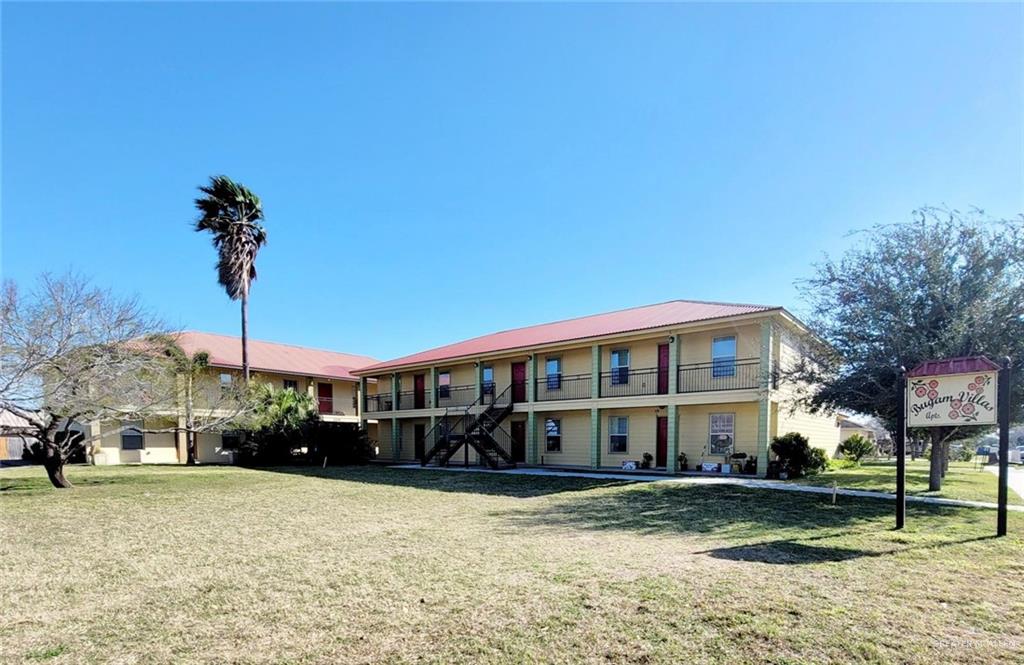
478 426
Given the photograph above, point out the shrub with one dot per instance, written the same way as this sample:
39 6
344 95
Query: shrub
841 464
856 448
796 456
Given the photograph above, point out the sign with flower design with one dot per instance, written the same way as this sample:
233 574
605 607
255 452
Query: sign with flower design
961 391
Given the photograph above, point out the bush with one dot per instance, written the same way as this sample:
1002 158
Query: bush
841 464
796 456
309 443
856 448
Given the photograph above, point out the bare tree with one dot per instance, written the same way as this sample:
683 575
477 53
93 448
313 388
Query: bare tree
71 352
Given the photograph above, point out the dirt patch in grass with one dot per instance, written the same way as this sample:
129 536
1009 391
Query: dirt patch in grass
167 565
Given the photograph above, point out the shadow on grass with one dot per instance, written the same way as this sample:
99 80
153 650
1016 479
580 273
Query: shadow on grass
790 552
491 484
770 526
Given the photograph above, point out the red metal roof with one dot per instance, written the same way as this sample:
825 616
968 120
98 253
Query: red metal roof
627 320
965 365
226 351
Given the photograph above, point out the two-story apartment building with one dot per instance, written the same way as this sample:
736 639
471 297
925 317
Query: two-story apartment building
324 375
688 377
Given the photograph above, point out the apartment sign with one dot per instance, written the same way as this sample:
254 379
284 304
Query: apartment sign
963 398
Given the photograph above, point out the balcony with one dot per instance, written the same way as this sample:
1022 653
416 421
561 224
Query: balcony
628 382
448 396
408 399
742 374
562 386
379 402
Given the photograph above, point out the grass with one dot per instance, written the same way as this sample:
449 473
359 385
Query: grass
170 564
964 480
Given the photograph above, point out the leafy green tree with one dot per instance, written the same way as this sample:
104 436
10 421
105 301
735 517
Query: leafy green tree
856 448
232 213
282 410
796 455
945 284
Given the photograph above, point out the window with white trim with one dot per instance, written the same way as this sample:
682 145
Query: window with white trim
618 434
620 366
721 433
553 435
225 382
488 379
553 371
723 356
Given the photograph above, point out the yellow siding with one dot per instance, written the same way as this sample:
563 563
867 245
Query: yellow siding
696 347
158 447
408 450
209 450
694 427
575 438
820 429
643 432
643 354
384 440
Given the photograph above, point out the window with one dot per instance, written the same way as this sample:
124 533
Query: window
225 382
553 435
444 385
488 380
618 434
620 366
722 433
291 384
131 436
553 370
723 356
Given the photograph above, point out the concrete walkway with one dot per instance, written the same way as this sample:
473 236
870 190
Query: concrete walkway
756 483
1016 479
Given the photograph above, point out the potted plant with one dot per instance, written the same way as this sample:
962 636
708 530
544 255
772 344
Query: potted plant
645 463
683 465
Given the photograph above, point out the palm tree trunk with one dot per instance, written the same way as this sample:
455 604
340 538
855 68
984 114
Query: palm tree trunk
245 338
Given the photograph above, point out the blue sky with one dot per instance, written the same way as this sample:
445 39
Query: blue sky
434 172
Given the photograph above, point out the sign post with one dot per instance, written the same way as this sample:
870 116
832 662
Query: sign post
953 393
901 452
1004 444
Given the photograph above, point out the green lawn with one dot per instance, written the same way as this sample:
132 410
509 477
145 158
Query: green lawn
172 565
963 480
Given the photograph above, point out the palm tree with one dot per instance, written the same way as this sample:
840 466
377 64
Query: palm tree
232 214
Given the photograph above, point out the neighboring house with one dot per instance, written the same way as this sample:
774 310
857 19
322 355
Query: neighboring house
15 437
324 375
848 427
594 392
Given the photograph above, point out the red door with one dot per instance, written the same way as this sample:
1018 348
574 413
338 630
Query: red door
518 441
663 369
661 452
419 392
325 397
518 382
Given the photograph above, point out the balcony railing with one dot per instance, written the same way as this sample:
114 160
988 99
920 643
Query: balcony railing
328 406
628 382
562 386
407 399
738 374
455 396
379 402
